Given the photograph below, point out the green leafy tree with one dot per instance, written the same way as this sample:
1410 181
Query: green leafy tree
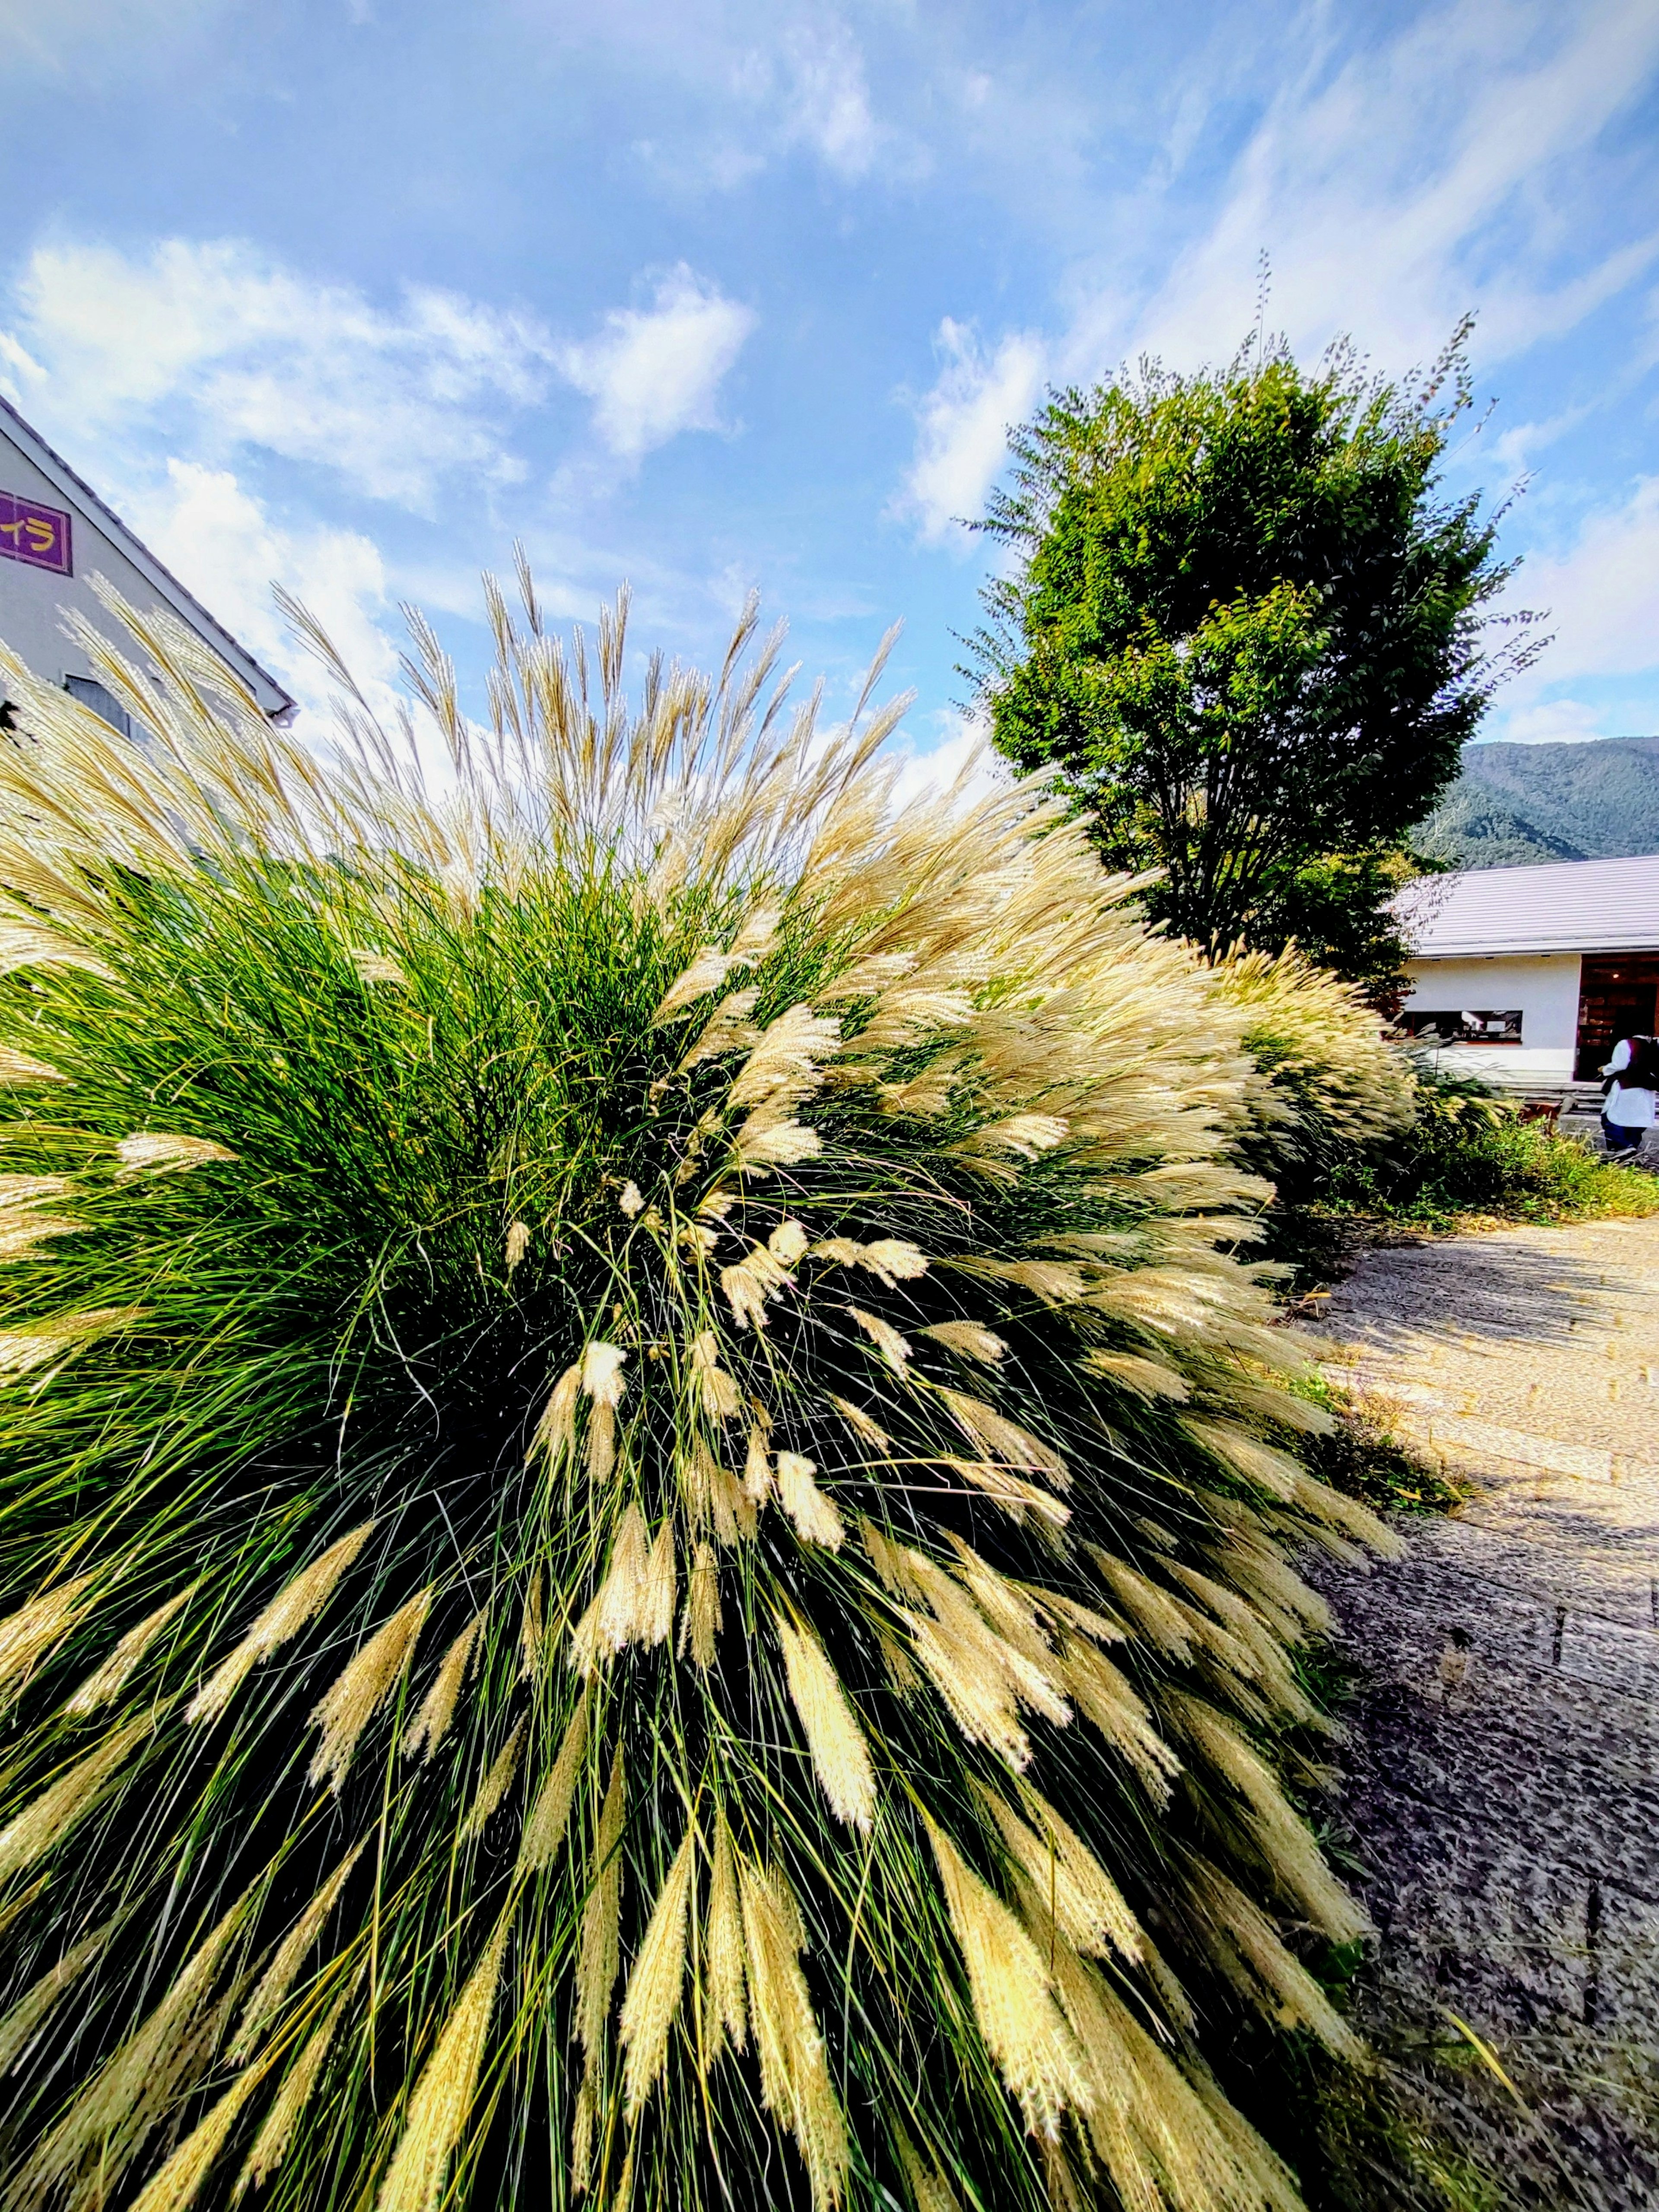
1250 635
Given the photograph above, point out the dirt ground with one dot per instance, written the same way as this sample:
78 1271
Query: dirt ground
1502 1785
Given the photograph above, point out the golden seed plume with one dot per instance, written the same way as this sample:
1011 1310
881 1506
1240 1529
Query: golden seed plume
1035 2051
180 2182
618 1615
111 1678
816 1518
725 2010
969 1338
793 2067
598 1957
707 973
62 1805
894 1348
661 1584
432 1723
442 2103
867 1430
654 1985
533 1630
361 1687
603 1379
38 2000
758 1469
702 1606
294 1606
136 2086
716 1391
549 1815
554 1432
155 1154
270 2145
841 1757
291 1954
632 1199
496 1784
17 1068
37 1628
518 1244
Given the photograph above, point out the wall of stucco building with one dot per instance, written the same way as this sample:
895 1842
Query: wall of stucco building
1545 987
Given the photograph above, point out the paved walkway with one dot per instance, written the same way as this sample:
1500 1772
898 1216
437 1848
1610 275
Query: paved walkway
1503 1786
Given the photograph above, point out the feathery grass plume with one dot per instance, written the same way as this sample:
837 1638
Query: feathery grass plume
290 1610
793 2071
154 1153
32 2008
1025 2032
47 1820
622 1611
929 2191
816 1518
178 2185
28 1635
599 1958
841 1757
442 2102
291 1954
359 1691
702 1606
724 2005
109 2121
432 1723
533 1630
654 1985
730 1137
550 1813
108 1680
496 1784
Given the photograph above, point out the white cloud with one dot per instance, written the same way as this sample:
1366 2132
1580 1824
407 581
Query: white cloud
962 426
264 357
1601 594
1559 722
1417 177
1599 597
828 99
652 372
222 545
960 753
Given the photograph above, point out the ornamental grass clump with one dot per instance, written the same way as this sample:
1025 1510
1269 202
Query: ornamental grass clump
648 1562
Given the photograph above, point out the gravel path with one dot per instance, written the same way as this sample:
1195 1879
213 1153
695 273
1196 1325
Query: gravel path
1502 1775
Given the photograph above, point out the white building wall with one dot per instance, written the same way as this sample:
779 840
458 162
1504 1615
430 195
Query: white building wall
32 600
1544 985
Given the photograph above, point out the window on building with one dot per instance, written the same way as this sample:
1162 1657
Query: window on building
1462 1027
102 700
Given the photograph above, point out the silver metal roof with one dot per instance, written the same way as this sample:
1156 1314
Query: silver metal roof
1570 906
79 493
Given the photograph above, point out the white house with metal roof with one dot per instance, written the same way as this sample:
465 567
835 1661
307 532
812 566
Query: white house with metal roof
1528 976
55 535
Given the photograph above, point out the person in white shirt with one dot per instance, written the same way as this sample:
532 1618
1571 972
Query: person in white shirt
1627 1111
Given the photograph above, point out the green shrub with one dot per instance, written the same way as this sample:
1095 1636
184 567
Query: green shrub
637 1488
1467 1154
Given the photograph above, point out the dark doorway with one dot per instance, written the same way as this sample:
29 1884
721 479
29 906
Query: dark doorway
1618 997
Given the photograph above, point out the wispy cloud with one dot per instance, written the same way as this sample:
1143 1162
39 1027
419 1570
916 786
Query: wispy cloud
963 424
652 372
232 350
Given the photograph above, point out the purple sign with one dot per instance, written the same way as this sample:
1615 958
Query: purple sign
35 534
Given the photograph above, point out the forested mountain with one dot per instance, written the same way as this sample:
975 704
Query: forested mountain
1516 806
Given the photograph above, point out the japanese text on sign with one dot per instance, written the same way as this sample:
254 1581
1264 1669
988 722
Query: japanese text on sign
37 535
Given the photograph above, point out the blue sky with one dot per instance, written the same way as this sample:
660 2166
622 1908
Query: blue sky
351 293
